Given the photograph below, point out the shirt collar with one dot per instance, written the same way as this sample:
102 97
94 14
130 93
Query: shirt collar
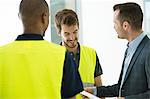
134 44
30 37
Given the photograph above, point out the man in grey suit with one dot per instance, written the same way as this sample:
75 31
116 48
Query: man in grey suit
134 81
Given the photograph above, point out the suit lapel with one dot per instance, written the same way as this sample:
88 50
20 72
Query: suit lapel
135 56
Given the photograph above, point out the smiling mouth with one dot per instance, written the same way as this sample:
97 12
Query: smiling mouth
72 42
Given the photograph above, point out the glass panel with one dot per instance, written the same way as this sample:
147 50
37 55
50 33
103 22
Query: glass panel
9 21
55 5
147 16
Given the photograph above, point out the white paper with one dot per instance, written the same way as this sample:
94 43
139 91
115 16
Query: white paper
89 95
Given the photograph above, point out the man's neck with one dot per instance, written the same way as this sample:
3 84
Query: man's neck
134 35
36 29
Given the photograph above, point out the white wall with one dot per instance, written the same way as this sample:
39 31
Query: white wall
98 32
147 17
10 24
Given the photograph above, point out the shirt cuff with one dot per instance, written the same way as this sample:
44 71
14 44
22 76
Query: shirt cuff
94 91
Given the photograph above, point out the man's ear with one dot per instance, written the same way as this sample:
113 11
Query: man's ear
125 25
44 18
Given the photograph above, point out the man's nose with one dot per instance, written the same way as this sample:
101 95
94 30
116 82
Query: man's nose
72 36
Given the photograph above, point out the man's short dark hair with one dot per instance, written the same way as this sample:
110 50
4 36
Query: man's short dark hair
130 12
67 17
33 8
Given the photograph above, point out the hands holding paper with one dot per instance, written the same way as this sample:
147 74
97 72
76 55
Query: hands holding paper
89 89
88 93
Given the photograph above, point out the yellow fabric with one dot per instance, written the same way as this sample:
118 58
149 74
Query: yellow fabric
31 70
87 65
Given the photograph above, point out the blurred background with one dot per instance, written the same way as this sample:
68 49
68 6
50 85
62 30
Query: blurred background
96 29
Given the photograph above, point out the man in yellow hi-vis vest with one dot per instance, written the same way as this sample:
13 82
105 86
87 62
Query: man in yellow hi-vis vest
67 26
32 68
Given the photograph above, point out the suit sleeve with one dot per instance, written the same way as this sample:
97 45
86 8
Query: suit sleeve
108 91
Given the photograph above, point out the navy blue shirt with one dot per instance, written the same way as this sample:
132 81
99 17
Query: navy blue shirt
71 81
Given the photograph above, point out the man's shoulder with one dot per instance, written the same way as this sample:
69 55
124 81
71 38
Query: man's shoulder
87 48
56 45
147 41
6 46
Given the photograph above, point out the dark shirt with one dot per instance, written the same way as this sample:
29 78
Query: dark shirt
71 81
98 70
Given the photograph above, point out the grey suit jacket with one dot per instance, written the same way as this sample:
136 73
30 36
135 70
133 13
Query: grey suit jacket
137 79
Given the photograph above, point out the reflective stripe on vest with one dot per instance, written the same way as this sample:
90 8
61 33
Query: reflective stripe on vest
87 65
31 70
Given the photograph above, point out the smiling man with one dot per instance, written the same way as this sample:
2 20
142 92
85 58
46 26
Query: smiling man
86 59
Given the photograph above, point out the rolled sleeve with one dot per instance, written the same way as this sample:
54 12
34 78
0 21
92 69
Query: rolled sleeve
98 69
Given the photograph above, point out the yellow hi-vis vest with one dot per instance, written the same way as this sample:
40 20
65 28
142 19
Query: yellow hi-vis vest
31 70
87 65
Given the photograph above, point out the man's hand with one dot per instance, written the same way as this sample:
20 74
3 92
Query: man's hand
89 89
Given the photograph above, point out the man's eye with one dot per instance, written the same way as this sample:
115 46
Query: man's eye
66 34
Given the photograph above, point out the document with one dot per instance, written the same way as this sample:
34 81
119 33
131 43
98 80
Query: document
89 95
